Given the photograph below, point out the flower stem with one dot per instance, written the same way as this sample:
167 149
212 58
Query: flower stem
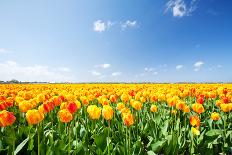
108 140
38 139
129 142
69 139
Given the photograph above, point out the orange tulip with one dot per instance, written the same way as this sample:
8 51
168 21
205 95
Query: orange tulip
225 107
120 106
84 100
186 109
137 105
6 118
154 108
125 98
107 112
215 116
198 108
195 121
34 116
113 98
24 106
94 112
180 105
125 111
65 116
128 119
218 103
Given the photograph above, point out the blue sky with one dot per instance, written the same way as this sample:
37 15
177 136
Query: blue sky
116 40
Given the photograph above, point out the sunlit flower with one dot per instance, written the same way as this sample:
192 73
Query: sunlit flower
137 105
34 116
120 106
198 108
72 107
84 100
195 131
215 116
107 112
128 119
125 98
113 98
225 107
180 105
154 108
65 116
94 112
6 118
186 109
195 121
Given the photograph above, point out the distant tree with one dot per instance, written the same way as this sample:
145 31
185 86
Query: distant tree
14 81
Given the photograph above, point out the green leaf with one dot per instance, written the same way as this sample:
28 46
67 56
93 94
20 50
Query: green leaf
157 118
151 153
21 145
165 128
157 146
214 132
78 146
30 144
82 131
229 133
100 139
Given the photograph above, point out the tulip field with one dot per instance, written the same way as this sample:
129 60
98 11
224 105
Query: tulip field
117 119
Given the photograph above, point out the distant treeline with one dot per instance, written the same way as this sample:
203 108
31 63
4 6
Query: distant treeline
13 81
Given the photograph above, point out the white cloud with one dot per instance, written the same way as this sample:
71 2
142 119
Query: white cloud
178 67
128 24
163 66
3 50
149 69
13 70
99 26
95 73
64 69
116 73
219 66
154 73
179 8
104 66
110 24
198 65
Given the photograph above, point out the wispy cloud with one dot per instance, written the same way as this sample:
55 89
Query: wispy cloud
95 73
104 66
3 50
13 70
64 69
179 67
154 73
128 24
179 8
198 65
149 69
219 66
116 73
99 26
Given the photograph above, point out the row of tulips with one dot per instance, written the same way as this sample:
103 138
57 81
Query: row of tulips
116 119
